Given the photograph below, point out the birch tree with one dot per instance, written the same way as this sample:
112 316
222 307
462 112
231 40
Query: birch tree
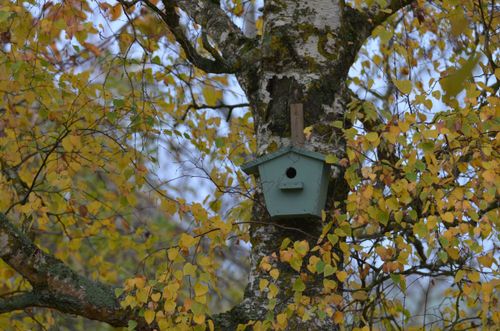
400 96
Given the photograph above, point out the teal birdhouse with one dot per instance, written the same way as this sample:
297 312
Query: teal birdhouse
294 182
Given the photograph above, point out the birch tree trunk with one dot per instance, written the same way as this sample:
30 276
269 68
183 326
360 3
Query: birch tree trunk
308 48
303 56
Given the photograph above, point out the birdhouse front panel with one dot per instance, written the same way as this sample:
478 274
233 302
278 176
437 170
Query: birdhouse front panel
294 182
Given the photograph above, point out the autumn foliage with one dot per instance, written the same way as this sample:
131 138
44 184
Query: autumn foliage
121 158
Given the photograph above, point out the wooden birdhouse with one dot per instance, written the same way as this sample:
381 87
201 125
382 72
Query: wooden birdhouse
294 180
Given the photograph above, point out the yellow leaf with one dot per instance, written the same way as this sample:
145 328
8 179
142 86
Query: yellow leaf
259 24
211 95
156 297
448 217
199 213
93 48
263 284
186 241
189 270
453 253
486 260
403 126
200 289
149 316
172 253
329 284
360 295
169 307
403 85
308 131
330 159
273 290
115 12
274 273
372 137
301 247
489 175
199 318
338 317
264 264
474 276
459 276
341 276
431 222
142 295
282 319
344 247
454 82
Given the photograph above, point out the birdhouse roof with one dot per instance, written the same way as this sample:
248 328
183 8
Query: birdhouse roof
252 166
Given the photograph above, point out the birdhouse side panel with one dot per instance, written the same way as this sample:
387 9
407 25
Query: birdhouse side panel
323 189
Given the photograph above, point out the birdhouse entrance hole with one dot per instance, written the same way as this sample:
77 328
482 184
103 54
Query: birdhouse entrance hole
291 172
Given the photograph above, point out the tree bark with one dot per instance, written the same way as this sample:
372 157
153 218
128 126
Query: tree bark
304 56
308 47
307 51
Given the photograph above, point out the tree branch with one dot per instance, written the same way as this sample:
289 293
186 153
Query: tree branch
55 285
218 26
19 302
172 19
379 15
215 23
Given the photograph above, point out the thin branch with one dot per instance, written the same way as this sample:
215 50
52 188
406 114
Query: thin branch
221 106
380 15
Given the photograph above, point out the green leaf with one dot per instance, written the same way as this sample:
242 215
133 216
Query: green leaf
118 292
320 266
443 256
219 142
455 81
338 124
331 159
296 263
427 146
332 238
4 16
285 243
420 229
411 176
329 270
382 217
299 285
131 325
118 103
419 165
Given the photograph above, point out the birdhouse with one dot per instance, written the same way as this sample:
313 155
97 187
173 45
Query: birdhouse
294 181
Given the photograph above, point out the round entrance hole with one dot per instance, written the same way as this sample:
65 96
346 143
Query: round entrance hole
291 172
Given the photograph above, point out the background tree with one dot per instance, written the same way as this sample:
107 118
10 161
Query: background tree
97 97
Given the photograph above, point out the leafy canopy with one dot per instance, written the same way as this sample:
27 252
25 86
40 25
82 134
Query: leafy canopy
105 127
